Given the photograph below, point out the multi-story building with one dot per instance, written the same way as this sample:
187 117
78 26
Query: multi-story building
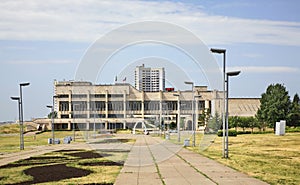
88 106
121 105
149 79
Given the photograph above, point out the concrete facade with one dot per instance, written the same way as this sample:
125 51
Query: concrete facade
86 106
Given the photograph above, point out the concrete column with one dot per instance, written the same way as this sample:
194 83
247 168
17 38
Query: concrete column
88 109
69 125
206 105
106 104
70 103
160 107
197 112
124 124
106 125
143 107
215 104
87 125
124 104
178 117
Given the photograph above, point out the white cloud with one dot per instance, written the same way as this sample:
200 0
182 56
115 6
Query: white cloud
264 69
76 20
38 62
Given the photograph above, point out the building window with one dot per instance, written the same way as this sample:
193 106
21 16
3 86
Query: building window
169 105
151 105
63 106
115 106
201 105
64 116
79 96
134 105
97 105
115 95
79 106
186 105
97 95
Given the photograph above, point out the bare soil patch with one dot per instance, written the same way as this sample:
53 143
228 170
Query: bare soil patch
52 173
87 155
103 163
53 167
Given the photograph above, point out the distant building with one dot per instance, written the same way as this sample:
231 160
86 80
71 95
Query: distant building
149 79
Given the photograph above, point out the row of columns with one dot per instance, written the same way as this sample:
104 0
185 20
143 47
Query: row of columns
142 98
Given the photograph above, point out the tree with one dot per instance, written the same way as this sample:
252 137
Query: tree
204 117
274 105
253 123
233 121
54 114
294 115
214 124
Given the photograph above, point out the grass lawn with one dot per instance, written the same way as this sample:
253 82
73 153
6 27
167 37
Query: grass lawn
65 167
11 142
273 159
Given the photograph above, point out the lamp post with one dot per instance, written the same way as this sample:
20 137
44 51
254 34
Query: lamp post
178 116
21 130
234 73
193 115
196 117
52 118
222 51
21 113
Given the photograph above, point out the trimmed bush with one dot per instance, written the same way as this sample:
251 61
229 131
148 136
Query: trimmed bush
230 133
243 132
292 129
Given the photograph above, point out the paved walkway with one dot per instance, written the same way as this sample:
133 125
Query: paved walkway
152 160
155 161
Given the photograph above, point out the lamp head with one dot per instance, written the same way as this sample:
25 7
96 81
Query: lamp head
233 73
190 83
24 84
15 98
219 51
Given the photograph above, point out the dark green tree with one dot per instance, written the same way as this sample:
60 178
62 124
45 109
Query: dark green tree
204 117
233 122
54 114
252 123
294 115
274 105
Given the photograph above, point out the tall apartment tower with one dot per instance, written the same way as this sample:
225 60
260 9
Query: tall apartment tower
149 79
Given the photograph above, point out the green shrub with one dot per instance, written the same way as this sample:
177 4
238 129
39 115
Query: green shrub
230 133
243 132
292 129
263 132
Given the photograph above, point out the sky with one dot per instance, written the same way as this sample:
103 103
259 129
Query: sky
45 41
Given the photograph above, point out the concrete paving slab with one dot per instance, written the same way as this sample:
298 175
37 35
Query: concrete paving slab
152 160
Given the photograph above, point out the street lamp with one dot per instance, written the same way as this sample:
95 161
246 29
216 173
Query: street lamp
222 51
233 73
21 130
21 113
52 117
178 116
193 115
